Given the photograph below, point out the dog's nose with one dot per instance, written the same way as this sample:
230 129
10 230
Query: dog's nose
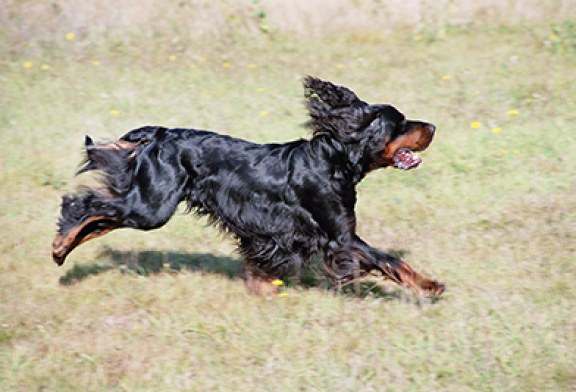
431 128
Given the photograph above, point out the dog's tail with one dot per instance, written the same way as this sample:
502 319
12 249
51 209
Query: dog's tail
116 159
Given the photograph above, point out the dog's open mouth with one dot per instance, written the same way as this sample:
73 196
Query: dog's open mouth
405 159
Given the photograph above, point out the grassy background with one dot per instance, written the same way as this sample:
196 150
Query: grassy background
491 213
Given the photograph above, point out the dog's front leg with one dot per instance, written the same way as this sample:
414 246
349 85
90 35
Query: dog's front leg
397 270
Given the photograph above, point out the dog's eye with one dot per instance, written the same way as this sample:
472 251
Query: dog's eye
398 128
402 126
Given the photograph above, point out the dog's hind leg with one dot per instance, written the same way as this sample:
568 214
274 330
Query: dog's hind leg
88 216
142 189
83 217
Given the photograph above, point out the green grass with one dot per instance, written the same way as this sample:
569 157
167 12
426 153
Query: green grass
490 213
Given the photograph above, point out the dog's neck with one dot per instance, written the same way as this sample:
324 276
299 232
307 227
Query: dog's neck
347 159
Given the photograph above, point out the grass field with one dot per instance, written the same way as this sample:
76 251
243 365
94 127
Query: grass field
492 213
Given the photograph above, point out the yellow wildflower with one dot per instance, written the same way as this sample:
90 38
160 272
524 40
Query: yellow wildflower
277 282
114 112
172 58
283 294
475 124
70 36
28 64
513 112
264 113
226 64
251 66
446 77
44 67
96 63
496 130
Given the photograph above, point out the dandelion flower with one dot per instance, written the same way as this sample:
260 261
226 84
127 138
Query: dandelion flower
496 130
264 113
70 36
475 125
172 58
446 77
44 67
283 294
277 282
28 64
513 112
114 112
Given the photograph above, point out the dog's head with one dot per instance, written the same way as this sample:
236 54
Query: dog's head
380 134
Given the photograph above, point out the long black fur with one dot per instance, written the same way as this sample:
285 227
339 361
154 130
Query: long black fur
283 202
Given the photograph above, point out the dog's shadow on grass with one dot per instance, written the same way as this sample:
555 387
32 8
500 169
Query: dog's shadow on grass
145 263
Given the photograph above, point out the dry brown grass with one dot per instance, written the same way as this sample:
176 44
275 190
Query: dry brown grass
26 21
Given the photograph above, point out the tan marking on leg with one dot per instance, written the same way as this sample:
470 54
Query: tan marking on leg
259 282
64 244
406 276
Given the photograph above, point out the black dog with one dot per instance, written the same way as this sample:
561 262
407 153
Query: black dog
283 202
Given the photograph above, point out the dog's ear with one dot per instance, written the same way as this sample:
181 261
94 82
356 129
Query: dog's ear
330 94
345 124
337 111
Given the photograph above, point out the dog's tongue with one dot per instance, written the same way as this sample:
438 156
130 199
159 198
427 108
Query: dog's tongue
405 159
